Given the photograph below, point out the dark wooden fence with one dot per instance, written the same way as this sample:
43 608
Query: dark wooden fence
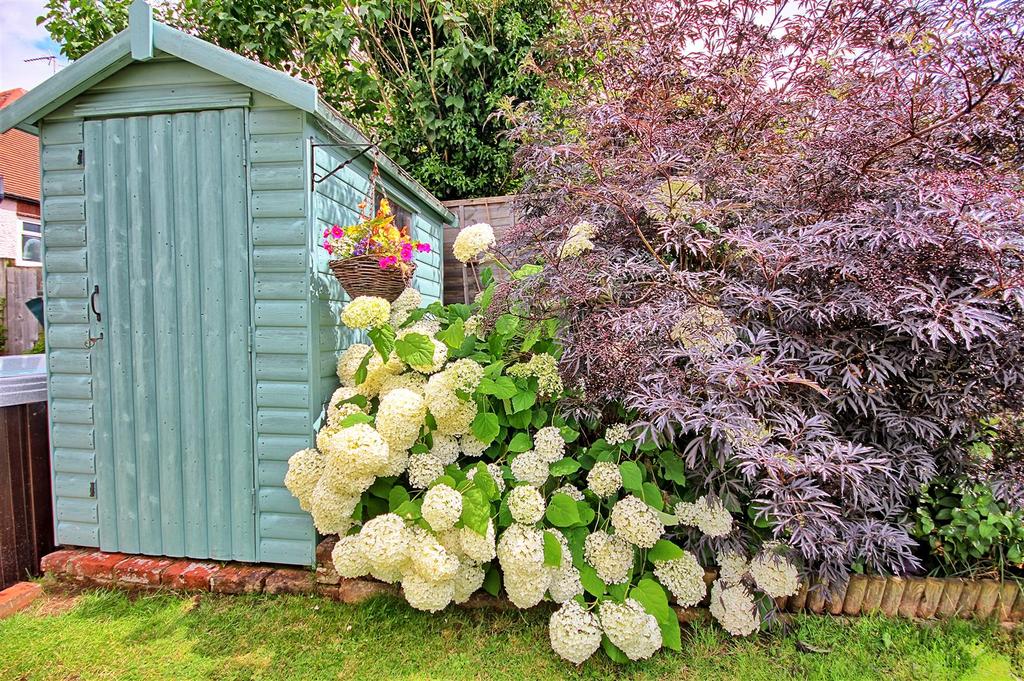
460 282
26 510
18 285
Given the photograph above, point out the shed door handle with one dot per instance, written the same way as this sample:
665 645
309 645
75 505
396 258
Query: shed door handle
92 301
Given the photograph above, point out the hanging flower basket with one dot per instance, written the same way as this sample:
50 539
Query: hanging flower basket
372 257
363 276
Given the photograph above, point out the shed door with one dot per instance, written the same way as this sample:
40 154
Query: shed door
167 230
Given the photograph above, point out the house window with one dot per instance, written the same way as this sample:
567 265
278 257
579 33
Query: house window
31 245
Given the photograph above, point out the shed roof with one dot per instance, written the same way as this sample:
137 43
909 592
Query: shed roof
19 157
138 42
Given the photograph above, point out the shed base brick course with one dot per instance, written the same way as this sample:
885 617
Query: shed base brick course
18 597
912 597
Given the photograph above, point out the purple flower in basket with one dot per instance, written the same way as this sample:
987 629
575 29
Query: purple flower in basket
360 248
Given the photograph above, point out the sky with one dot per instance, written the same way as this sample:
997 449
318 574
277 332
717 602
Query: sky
21 39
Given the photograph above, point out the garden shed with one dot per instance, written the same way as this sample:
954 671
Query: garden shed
192 323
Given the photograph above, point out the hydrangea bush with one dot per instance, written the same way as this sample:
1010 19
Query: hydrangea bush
446 466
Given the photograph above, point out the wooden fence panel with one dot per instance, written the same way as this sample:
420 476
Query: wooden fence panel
460 282
17 286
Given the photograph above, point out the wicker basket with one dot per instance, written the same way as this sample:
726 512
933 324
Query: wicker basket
362 276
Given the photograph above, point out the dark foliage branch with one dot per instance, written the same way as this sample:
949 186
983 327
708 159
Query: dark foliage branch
833 191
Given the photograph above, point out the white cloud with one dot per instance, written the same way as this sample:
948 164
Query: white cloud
21 39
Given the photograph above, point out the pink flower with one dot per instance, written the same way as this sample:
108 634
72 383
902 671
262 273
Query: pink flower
423 248
407 251
337 232
327 233
329 248
387 262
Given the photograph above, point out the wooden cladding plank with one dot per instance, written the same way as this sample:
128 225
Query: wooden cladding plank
70 386
64 209
276 148
270 121
71 260
78 534
279 203
67 285
282 394
279 448
283 421
74 461
280 313
70 336
289 175
71 411
281 367
69 362
62 132
279 258
287 341
280 286
278 500
165 337
287 231
62 157
60 234
284 526
77 510
63 183
67 311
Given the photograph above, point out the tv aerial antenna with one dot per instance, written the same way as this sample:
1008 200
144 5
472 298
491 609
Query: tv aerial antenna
51 59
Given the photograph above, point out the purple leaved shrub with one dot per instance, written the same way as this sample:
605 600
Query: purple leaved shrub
787 238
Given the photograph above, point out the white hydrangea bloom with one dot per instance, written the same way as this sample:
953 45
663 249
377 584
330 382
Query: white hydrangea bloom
575 633
578 241
348 557
332 512
687 513
477 547
604 479
338 409
427 595
400 417
377 371
428 558
495 472
471 445
636 522
304 470
528 467
358 450
549 444
610 556
387 575
565 583
423 470
341 481
465 374
774 574
526 589
439 358
366 312
617 434
473 241
385 541
442 507
526 504
398 461
409 380
631 628
684 577
458 420
713 518
732 566
467 581
407 301
445 449
521 556
571 491
349 362
734 608
472 325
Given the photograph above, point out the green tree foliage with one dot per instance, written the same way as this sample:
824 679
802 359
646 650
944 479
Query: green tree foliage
430 78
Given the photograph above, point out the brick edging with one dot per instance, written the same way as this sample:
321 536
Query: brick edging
915 597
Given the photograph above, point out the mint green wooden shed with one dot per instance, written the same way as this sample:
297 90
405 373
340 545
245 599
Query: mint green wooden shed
192 325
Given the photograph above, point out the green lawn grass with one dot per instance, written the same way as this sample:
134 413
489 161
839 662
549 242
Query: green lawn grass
110 635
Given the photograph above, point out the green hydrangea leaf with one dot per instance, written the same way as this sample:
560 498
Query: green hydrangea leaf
632 477
398 496
383 339
506 324
485 427
492 580
476 511
501 387
562 511
664 550
652 596
565 466
454 335
616 655
527 270
520 442
652 495
483 480
353 419
415 349
523 400
410 510
552 550
592 584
